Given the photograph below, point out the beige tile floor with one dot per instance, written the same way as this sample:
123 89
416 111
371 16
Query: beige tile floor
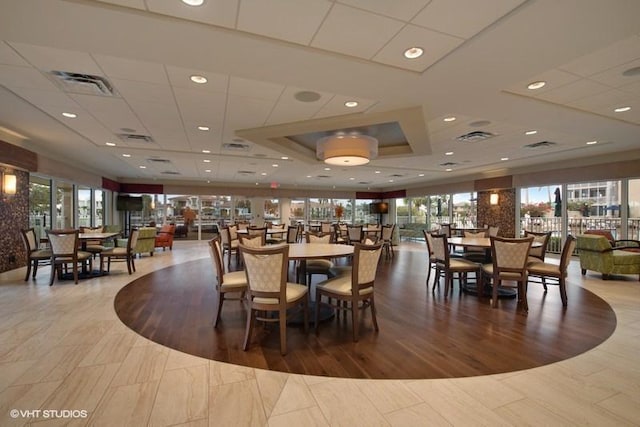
62 348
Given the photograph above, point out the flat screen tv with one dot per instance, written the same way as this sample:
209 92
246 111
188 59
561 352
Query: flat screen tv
379 208
129 203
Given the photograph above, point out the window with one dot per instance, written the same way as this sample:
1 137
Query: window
39 205
272 210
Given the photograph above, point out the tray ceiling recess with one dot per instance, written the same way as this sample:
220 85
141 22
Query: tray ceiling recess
400 133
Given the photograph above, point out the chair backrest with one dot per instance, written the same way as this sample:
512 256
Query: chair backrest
215 252
365 266
445 229
325 227
233 231
480 233
510 255
567 250
387 232
292 234
64 242
240 226
29 240
428 238
266 270
543 239
132 241
257 231
493 231
440 248
277 227
318 237
355 233
253 241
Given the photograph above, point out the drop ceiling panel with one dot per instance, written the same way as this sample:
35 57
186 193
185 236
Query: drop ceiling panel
143 92
48 59
127 69
180 77
292 20
435 45
24 77
289 109
222 13
573 91
403 10
463 18
255 89
554 79
113 113
205 107
355 32
43 98
602 59
9 57
137 4
611 98
245 112
335 106
614 77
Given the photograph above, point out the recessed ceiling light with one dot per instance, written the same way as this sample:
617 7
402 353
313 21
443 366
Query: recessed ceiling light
592 142
142 167
420 174
207 161
206 151
622 109
390 180
263 173
126 155
284 158
198 79
413 52
531 132
327 169
536 85
351 179
110 144
449 153
207 170
504 158
449 119
193 2
448 169
377 172
203 127
351 104
275 165
70 115
308 176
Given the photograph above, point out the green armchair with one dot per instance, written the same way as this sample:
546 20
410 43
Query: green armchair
597 254
146 241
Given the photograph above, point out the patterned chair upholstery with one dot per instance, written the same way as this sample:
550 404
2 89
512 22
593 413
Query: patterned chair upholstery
234 282
35 255
597 254
146 241
64 251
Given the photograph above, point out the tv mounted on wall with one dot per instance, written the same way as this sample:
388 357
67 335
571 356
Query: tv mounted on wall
379 208
129 203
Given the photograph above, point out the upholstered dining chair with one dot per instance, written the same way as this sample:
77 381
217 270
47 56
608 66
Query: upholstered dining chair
94 246
447 266
431 259
292 234
556 273
35 255
537 254
123 253
355 234
509 258
353 291
229 236
318 265
387 239
276 238
64 251
472 253
234 282
268 290
253 240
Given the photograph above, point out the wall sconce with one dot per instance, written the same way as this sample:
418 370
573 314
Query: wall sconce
9 184
493 199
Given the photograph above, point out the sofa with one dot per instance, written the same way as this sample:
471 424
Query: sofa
164 238
597 254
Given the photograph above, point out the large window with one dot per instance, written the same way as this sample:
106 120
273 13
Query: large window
465 213
633 228
85 207
272 210
64 206
39 204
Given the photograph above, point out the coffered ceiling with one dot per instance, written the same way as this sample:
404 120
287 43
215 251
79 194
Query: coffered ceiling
279 73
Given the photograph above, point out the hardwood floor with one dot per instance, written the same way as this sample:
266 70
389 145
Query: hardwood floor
422 335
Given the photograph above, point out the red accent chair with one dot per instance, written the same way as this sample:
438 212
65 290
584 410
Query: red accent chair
164 238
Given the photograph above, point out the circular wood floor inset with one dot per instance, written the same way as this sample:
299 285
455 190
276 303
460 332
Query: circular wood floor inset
422 334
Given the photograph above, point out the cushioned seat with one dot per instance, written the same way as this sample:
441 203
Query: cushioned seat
164 238
597 254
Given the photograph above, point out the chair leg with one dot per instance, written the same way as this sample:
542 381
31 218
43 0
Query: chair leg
494 293
35 268
316 316
249 329
305 307
129 262
563 291
26 277
75 273
544 284
53 273
282 320
428 272
354 320
373 314
218 308
522 295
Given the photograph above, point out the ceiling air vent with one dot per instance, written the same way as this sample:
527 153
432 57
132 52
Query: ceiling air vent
245 173
156 160
445 164
540 145
132 137
84 84
323 176
396 175
169 173
364 182
475 136
236 146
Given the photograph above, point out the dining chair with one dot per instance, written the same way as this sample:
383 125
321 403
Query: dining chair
123 253
268 290
355 291
226 282
509 263
94 246
431 259
447 266
325 227
355 234
374 230
340 235
320 266
475 253
254 240
229 236
556 273
276 238
64 251
537 254
387 239
35 255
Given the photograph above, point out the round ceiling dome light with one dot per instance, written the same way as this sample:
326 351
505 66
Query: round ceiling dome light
413 52
307 96
351 104
198 79
622 109
536 85
449 119
193 2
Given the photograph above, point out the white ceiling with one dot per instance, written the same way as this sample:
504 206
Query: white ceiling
257 55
